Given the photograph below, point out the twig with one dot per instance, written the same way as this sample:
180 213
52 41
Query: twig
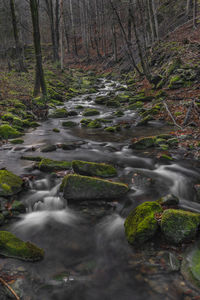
9 287
188 113
170 114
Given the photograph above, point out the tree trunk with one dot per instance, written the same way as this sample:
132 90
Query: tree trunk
39 74
195 14
61 37
16 37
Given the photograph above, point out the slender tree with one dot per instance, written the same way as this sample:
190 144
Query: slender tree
39 73
16 37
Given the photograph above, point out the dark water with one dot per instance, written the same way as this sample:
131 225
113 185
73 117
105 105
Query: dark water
86 254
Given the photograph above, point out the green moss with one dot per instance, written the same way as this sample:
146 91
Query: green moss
11 246
18 206
94 124
101 100
84 122
113 103
179 226
69 124
90 112
56 130
32 158
7 132
144 143
10 183
119 113
8 117
79 106
112 128
93 169
48 165
17 141
141 225
59 113
77 187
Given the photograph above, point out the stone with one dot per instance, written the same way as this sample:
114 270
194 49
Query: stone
168 200
93 169
179 226
49 165
141 224
77 187
10 184
143 143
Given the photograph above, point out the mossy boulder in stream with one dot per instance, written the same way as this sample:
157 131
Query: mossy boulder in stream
190 268
49 165
10 183
90 112
7 132
93 169
179 226
141 224
59 113
143 143
77 187
11 246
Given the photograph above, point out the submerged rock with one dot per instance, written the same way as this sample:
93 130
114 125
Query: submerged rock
179 226
10 183
11 246
49 148
141 224
77 187
93 169
49 165
191 265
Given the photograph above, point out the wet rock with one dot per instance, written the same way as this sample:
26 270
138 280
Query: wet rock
49 165
112 128
72 113
49 148
101 100
143 143
10 183
141 224
32 158
144 121
179 226
7 132
69 146
59 113
11 246
84 122
119 113
94 124
169 200
141 181
69 124
93 169
113 103
77 187
56 130
190 267
90 112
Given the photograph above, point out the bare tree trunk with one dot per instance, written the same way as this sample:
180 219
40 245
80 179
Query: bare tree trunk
73 28
19 53
57 23
129 22
61 37
39 74
195 14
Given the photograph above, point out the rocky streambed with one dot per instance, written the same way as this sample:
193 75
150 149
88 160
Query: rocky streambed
112 207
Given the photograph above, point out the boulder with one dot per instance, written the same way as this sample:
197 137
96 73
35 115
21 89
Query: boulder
10 184
179 226
49 165
141 224
77 187
93 169
143 143
11 246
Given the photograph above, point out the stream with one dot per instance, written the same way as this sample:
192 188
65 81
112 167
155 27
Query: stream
87 256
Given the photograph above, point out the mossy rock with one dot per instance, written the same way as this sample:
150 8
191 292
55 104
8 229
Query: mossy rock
136 105
169 200
84 122
93 169
119 113
113 103
94 124
10 184
101 100
49 165
7 132
69 124
179 226
59 113
11 246
141 224
176 82
56 130
90 112
72 113
17 141
143 143
144 121
79 106
78 188
8 117
191 265
32 158
113 128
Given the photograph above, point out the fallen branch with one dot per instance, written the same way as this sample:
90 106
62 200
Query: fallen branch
170 114
9 288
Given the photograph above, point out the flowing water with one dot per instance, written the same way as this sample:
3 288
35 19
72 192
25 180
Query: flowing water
86 254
